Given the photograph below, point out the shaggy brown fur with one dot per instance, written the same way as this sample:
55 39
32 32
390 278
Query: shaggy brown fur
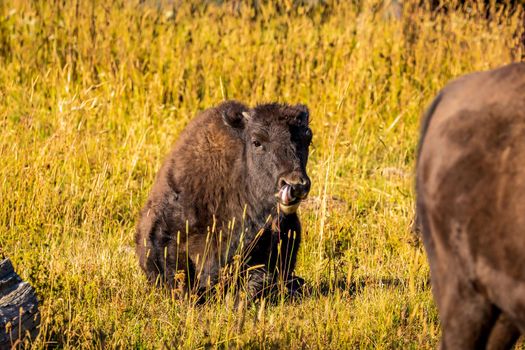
471 206
215 198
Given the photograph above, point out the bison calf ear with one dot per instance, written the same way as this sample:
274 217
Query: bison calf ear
234 114
304 114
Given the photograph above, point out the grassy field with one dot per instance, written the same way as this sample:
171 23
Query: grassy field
93 94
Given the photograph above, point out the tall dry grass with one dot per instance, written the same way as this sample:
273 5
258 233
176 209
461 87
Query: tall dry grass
93 93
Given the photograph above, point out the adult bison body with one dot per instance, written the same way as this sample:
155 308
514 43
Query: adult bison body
230 188
471 206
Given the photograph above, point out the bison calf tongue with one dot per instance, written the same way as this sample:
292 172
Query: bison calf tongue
288 204
285 195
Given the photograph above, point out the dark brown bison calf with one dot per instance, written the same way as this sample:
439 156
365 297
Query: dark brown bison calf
471 207
228 191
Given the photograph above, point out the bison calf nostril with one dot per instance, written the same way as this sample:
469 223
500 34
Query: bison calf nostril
299 184
300 191
305 182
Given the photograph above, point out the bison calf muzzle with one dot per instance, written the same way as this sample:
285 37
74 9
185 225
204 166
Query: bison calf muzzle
293 188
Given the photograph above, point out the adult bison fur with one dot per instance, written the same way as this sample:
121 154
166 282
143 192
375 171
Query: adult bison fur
229 190
470 183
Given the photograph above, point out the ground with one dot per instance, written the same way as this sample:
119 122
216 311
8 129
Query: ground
93 94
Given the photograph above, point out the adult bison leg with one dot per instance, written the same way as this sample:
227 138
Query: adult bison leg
467 317
504 334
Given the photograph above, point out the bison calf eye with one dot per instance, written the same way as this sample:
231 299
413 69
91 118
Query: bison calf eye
256 143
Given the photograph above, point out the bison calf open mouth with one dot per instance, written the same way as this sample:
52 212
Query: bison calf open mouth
288 203
289 198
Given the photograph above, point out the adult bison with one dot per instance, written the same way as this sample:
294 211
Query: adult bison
471 207
230 188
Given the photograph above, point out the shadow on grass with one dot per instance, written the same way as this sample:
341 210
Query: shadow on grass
326 288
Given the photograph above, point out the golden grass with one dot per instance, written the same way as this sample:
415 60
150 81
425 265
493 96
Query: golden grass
92 94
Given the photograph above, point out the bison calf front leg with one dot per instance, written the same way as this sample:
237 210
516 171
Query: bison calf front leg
286 240
275 254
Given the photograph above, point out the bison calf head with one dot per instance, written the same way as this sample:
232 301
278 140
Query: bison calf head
276 138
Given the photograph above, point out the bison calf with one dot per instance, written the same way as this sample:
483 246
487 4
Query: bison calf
471 206
230 188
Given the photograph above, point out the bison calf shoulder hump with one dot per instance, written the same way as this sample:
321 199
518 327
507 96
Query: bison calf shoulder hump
230 187
471 206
